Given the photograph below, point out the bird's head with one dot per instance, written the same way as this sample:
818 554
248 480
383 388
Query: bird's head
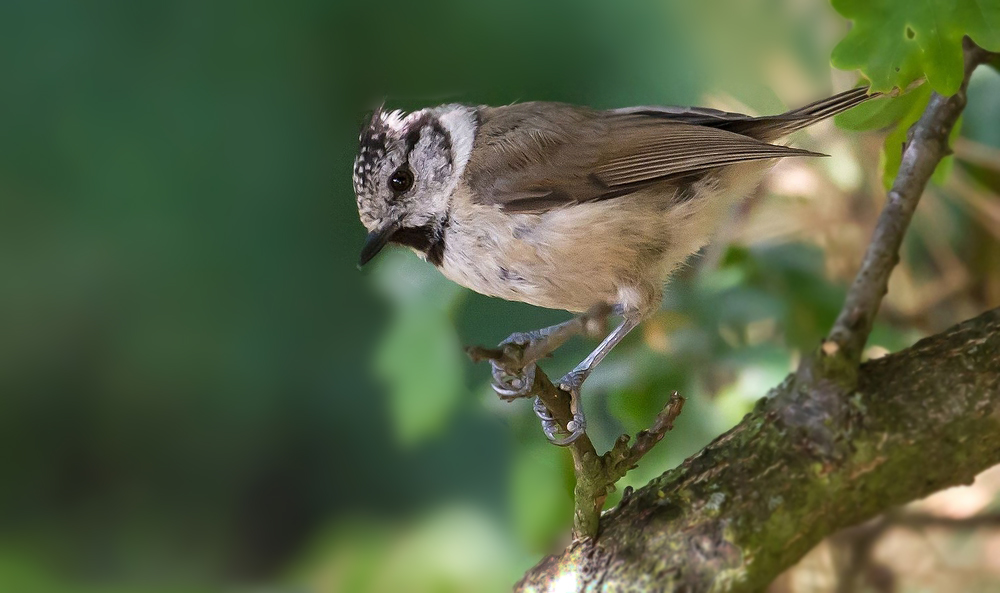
407 167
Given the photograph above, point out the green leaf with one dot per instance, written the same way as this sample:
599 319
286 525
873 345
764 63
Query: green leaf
894 42
421 360
881 113
420 356
892 150
541 494
456 548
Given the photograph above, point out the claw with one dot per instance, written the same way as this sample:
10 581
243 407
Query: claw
550 427
542 411
510 385
555 433
571 383
567 440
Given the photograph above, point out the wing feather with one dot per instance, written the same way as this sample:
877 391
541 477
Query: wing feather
533 157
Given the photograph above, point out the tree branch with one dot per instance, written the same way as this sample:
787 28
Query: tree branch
926 145
595 474
759 497
848 441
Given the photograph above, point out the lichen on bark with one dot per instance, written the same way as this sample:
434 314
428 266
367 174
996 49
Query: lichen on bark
760 496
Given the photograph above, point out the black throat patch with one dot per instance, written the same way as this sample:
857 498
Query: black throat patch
428 239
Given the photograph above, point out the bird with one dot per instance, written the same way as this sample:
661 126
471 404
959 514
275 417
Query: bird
565 207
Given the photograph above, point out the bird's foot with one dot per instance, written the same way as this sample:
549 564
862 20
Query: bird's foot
573 380
525 339
556 434
577 425
512 384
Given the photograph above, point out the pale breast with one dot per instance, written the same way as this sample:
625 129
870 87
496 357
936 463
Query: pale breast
570 258
617 251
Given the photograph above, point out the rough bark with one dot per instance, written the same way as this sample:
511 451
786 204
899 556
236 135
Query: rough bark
835 444
762 495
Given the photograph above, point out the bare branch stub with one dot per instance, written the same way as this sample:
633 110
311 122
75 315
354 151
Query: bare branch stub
646 439
621 458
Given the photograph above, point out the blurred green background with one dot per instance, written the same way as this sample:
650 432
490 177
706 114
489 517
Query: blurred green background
199 390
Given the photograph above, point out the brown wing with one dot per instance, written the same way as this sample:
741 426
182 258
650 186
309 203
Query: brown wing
533 157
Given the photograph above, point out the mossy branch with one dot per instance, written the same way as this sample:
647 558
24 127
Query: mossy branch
834 445
759 497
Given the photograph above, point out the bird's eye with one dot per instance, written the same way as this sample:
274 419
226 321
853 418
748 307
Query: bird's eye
401 180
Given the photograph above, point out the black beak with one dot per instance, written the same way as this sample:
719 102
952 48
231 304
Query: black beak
376 240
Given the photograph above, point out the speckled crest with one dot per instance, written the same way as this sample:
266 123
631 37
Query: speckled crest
374 143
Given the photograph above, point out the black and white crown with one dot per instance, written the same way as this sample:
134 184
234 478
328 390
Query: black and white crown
374 142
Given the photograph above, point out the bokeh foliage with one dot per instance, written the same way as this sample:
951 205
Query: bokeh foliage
896 43
198 388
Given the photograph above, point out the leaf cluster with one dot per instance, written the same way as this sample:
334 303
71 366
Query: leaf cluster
896 43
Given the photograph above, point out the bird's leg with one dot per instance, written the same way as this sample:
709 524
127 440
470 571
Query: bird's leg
572 381
510 383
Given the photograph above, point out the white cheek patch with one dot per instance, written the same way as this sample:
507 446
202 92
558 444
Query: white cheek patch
460 122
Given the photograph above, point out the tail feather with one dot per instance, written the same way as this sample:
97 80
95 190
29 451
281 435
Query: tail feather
768 127
775 126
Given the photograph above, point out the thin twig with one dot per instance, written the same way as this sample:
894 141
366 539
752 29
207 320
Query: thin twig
927 144
621 458
856 544
586 461
916 520
595 474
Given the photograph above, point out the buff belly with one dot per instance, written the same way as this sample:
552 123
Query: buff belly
618 251
569 259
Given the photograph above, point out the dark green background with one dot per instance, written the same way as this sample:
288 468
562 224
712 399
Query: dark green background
187 395
185 338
